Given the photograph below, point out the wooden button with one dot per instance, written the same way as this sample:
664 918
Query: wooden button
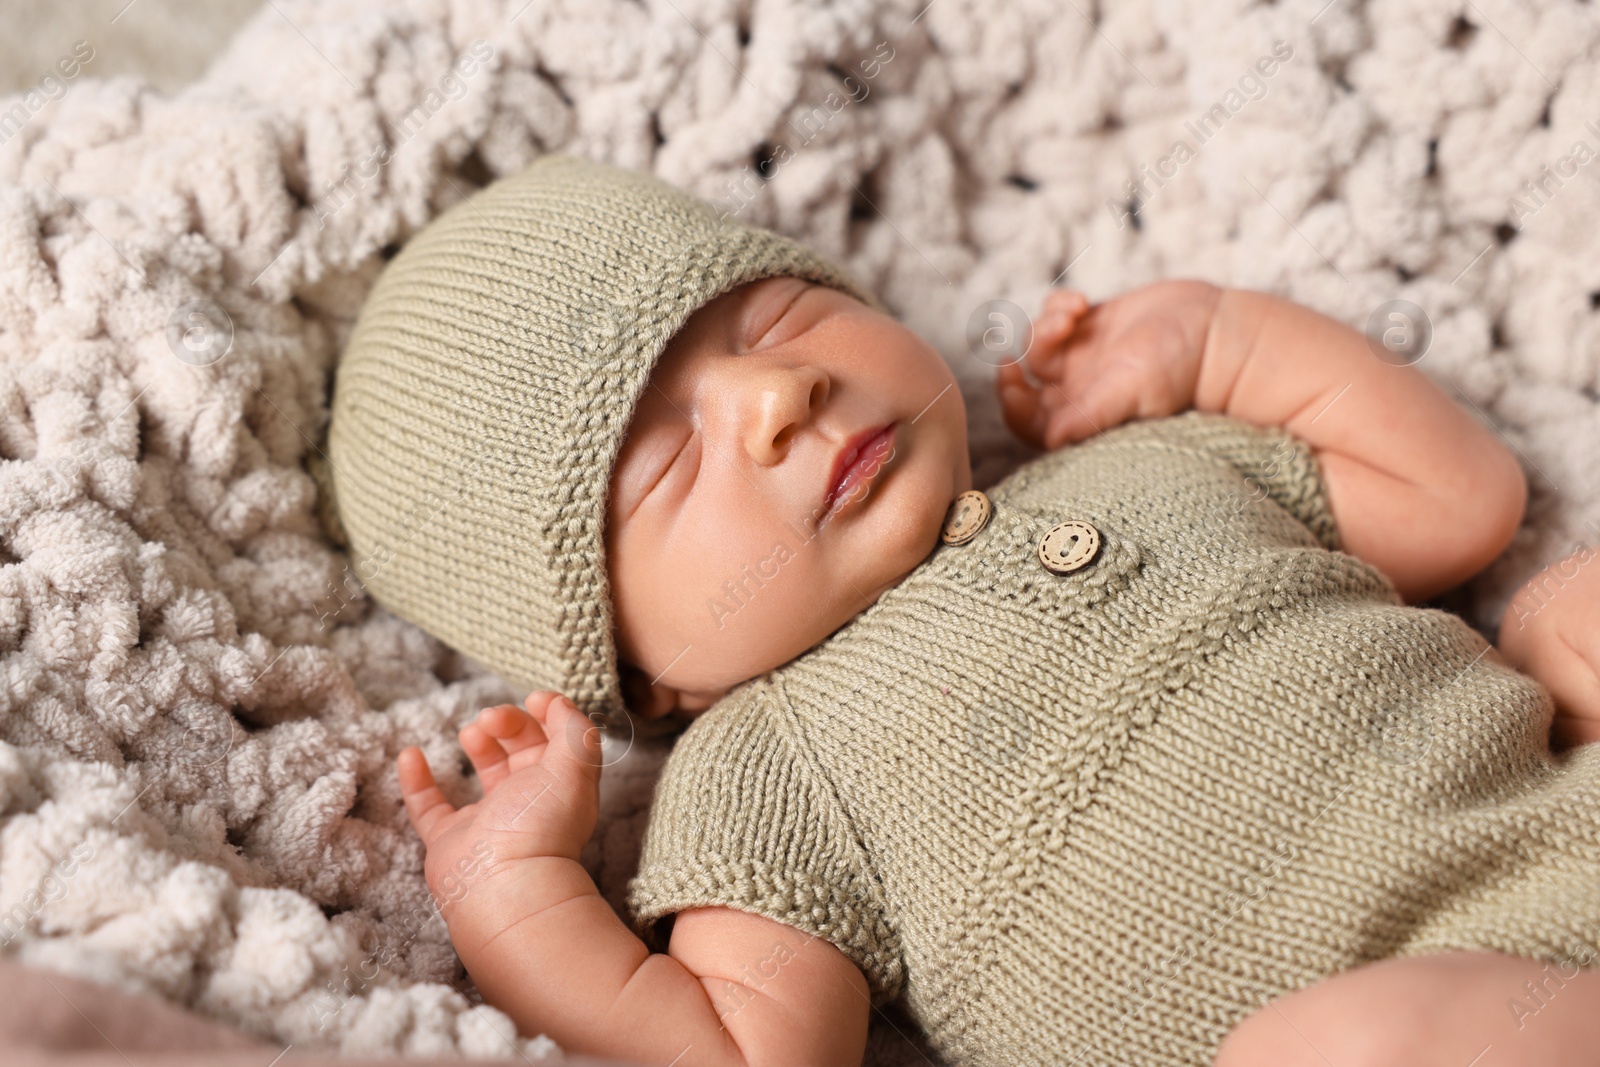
968 513
1069 546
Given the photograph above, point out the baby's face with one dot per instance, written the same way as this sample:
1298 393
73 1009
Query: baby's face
733 545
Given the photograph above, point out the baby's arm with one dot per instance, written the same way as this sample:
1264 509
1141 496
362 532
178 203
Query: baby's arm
1418 488
544 947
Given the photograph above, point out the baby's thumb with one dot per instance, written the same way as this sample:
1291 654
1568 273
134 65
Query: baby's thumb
574 750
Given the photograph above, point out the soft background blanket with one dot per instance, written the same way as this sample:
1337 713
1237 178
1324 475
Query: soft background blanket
200 712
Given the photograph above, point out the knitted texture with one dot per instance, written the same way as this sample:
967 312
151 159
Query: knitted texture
485 392
164 587
1103 816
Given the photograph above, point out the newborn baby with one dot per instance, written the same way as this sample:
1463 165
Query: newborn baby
1087 766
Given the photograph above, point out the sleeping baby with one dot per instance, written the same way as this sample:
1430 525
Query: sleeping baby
1143 755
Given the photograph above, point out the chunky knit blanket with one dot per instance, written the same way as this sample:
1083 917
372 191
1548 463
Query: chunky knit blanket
201 707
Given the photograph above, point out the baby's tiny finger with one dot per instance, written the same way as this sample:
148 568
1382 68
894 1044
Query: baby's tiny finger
1071 302
1020 405
580 738
513 728
425 802
481 747
500 720
538 703
1044 355
1063 311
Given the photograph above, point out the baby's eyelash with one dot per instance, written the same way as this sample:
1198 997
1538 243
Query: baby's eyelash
667 470
801 292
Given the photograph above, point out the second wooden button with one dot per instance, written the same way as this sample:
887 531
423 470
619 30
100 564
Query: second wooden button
1068 546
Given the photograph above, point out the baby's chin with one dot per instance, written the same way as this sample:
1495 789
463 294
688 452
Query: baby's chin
905 529
701 692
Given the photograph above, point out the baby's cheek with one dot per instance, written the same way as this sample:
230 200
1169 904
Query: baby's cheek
760 585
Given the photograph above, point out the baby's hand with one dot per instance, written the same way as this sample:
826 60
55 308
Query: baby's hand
541 793
1137 356
1551 630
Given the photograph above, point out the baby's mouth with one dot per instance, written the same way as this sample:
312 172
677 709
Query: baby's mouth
857 464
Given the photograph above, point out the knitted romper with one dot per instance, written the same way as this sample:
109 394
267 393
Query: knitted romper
1100 817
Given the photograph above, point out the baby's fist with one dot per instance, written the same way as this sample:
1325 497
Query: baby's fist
1136 356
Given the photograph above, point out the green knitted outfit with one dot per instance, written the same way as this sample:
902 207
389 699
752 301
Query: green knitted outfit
1108 812
1115 811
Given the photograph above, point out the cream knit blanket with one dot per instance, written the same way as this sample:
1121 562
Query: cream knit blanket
200 714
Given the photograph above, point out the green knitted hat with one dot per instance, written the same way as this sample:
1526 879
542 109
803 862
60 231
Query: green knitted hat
484 394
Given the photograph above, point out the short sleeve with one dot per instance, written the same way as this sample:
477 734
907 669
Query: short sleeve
745 818
1283 465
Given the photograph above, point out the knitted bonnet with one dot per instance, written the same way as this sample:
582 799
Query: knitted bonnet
485 391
